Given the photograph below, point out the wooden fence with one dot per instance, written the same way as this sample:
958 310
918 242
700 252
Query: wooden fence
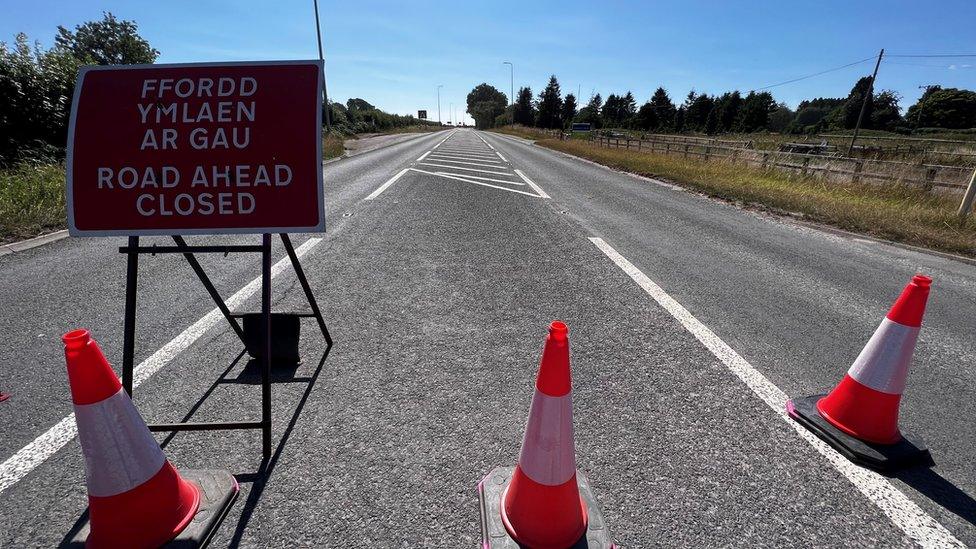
839 169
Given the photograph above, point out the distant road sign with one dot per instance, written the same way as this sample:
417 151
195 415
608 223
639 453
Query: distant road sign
196 149
581 126
422 115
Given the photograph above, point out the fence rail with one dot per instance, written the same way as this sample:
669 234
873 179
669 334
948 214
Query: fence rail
833 168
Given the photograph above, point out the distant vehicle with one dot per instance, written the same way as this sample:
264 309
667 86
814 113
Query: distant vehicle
581 127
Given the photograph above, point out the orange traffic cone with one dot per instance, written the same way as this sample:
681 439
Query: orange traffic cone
541 504
860 416
136 497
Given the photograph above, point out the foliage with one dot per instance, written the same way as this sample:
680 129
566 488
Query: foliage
949 108
590 114
31 200
569 110
754 113
485 103
550 106
524 112
359 116
780 118
107 42
847 117
619 110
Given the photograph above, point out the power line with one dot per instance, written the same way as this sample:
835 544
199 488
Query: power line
943 55
817 74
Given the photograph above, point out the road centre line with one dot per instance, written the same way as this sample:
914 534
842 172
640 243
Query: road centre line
538 189
50 442
423 156
386 185
902 511
463 169
462 178
453 161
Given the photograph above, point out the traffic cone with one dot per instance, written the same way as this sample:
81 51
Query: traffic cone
542 504
860 416
136 498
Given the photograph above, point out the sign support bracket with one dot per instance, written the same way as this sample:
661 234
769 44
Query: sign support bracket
133 250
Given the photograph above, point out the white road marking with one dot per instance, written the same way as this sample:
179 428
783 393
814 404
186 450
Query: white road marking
519 183
465 157
463 169
445 139
902 511
423 156
47 444
454 161
486 141
500 156
386 185
460 150
462 178
538 189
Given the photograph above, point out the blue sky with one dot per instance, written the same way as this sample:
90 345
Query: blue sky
394 54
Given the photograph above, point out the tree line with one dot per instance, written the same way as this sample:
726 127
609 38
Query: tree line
729 112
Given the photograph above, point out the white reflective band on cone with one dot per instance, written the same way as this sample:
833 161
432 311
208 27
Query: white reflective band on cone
120 452
883 364
548 456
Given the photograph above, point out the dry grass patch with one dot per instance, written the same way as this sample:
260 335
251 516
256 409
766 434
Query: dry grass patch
892 212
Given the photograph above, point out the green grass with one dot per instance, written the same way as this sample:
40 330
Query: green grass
32 201
892 212
332 146
524 132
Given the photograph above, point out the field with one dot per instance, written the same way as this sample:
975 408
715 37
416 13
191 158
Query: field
891 212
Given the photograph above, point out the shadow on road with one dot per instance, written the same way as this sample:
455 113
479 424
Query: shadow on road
933 486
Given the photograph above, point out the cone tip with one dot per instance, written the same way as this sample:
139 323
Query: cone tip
76 338
558 330
922 280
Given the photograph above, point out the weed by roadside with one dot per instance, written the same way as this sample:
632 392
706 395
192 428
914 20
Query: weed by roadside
32 200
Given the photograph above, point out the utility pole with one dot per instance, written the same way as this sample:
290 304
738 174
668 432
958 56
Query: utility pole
864 104
325 92
439 86
512 67
450 112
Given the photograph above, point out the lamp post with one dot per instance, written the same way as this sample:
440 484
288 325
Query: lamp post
450 112
512 70
439 86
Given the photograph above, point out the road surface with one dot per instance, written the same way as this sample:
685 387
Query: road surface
445 259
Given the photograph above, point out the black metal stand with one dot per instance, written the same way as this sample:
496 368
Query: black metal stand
133 250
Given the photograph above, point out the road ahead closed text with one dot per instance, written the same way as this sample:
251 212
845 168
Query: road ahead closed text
172 149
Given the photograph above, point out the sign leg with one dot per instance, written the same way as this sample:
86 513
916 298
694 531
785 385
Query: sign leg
300 273
266 365
129 324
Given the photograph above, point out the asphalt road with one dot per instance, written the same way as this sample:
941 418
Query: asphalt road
443 263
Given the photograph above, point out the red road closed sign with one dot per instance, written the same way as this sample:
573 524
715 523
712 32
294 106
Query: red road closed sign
196 149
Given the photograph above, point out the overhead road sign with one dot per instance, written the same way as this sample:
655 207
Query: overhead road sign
196 149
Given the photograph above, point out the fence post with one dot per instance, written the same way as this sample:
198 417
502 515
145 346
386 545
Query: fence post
806 163
930 179
966 206
858 166
638 144
686 150
708 152
765 158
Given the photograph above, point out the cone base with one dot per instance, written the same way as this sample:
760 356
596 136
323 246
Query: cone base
218 490
493 532
884 458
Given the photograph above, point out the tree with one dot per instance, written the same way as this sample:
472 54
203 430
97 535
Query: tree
357 104
664 110
727 111
524 112
591 112
949 108
697 108
485 103
628 107
754 113
886 114
611 110
780 119
569 110
550 105
646 118
847 117
107 42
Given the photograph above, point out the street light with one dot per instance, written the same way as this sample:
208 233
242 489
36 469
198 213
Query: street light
450 112
512 67
439 86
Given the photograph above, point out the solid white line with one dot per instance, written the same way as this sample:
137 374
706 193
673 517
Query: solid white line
519 183
464 157
423 156
902 511
464 150
445 139
500 155
453 161
537 188
47 444
486 141
463 169
461 178
386 185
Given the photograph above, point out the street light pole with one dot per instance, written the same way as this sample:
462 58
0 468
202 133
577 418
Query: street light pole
512 67
439 86
325 92
450 112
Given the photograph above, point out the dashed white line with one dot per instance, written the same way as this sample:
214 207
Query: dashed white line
537 188
48 443
500 156
423 156
386 185
903 512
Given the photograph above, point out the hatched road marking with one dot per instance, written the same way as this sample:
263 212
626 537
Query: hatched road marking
903 512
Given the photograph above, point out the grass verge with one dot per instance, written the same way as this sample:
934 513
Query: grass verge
895 212
332 146
32 201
